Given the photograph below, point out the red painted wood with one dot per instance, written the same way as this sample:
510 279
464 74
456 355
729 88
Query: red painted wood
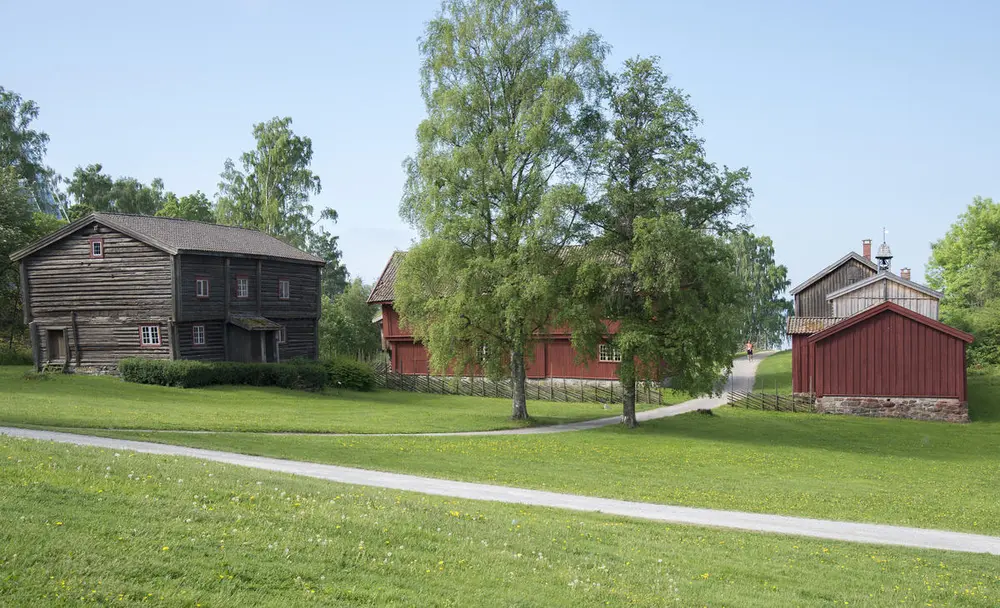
884 355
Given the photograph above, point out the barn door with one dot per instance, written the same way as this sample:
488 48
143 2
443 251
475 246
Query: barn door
56 344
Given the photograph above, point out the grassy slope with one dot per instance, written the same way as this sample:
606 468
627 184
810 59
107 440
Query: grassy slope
55 400
904 472
775 373
85 525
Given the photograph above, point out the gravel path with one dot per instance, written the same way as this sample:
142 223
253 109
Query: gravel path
756 522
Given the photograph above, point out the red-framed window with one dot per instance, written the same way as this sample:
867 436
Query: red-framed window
96 248
201 287
198 335
149 335
242 287
282 335
284 288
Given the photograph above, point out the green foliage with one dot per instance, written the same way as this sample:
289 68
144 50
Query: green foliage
512 103
193 374
764 311
15 356
660 220
965 265
346 326
92 190
195 207
22 149
344 372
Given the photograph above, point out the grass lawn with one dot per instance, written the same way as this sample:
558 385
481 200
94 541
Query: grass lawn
87 525
905 472
774 373
68 401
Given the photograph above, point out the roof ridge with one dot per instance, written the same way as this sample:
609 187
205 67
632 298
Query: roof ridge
181 219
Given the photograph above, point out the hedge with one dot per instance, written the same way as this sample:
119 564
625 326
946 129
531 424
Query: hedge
343 372
15 357
189 374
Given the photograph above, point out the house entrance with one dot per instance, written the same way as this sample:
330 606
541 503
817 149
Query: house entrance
56 344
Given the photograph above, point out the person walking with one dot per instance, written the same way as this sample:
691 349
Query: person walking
749 350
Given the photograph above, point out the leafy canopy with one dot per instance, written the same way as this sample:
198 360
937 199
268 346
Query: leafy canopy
764 281
347 324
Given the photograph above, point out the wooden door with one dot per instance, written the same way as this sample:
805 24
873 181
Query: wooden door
56 344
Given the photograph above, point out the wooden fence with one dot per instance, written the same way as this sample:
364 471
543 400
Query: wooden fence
772 402
538 390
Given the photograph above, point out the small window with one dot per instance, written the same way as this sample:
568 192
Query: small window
201 287
284 289
150 335
97 248
198 335
282 335
242 286
484 351
609 354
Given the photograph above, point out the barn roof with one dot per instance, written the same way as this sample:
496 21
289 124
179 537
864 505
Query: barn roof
174 236
808 325
384 290
937 295
890 307
822 273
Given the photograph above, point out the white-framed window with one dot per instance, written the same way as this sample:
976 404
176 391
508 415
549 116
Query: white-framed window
242 286
198 335
149 335
201 287
97 248
284 289
282 335
484 351
609 354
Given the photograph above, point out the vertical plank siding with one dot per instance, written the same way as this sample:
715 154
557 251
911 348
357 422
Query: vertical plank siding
888 355
112 296
812 302
871 295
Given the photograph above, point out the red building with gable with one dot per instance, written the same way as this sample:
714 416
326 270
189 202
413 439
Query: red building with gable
866 341
551 356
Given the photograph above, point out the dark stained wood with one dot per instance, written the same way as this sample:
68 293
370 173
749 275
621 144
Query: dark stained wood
214 348
227 294
260 304
812 302
25 290
76 338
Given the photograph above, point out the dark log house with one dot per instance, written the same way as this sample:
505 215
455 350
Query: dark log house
111 286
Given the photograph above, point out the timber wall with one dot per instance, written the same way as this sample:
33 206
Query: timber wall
812 302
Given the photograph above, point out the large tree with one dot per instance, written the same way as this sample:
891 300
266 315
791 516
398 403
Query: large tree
347 325
660 224
22 149
195 207
511 97
765 310
965 265
93 190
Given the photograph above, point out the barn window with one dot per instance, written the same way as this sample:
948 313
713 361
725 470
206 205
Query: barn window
201 287
282 335
150 335
609 354
284 289
198 335
242 286
97 248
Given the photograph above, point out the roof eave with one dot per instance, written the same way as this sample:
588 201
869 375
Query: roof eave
884 306
889 276
73 227
822 273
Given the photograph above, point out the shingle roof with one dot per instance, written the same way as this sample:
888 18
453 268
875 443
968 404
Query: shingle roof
175 235
809 325
384 288
254 323
822 273
937 295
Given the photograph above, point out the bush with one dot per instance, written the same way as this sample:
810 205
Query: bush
15 357
344 372
190 374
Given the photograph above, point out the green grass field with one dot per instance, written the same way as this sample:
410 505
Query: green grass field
76 401
91 526
774 374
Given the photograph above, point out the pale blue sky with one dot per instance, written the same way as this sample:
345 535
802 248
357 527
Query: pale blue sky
850 115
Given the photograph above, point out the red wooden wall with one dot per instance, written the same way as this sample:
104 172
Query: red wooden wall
889 355
801 364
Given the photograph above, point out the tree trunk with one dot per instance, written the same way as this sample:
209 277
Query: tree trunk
626 373
517 376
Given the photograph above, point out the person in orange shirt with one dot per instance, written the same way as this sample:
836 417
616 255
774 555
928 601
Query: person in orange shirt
749 350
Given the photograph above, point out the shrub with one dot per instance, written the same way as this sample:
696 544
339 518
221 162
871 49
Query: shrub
344 372
190 374
15 356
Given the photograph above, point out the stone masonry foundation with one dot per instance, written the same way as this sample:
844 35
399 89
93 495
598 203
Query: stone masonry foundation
916 408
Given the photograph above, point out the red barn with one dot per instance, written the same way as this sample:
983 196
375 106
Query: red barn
876 348
551 356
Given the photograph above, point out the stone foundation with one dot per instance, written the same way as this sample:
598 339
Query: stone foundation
915 408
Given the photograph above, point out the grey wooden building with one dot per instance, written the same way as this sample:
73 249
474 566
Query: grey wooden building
111 286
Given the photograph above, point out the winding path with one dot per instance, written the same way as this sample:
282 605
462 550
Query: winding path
755 522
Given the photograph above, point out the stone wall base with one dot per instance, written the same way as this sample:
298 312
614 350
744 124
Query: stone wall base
916 408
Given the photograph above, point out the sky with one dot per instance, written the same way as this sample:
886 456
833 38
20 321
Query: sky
851 116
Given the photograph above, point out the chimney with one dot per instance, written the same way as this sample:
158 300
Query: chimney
866 249
904 273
